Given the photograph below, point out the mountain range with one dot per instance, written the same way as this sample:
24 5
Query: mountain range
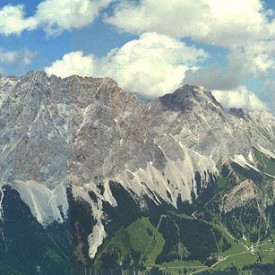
90 175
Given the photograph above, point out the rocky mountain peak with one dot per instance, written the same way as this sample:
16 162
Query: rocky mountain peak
88 89
36 74
187 97
238 112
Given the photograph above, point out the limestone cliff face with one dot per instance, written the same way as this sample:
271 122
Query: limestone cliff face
34 142
85 132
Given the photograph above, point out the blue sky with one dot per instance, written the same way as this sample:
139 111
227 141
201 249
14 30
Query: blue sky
149 46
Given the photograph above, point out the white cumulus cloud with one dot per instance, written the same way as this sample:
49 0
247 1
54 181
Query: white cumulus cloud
13 20
246 29
254 59
220 22
54 16
240 98
151 65
21 57
72 63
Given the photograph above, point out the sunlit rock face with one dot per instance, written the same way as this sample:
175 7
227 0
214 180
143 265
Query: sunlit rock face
34 142
83 133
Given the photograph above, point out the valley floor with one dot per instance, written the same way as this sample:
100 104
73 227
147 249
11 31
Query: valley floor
259 253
